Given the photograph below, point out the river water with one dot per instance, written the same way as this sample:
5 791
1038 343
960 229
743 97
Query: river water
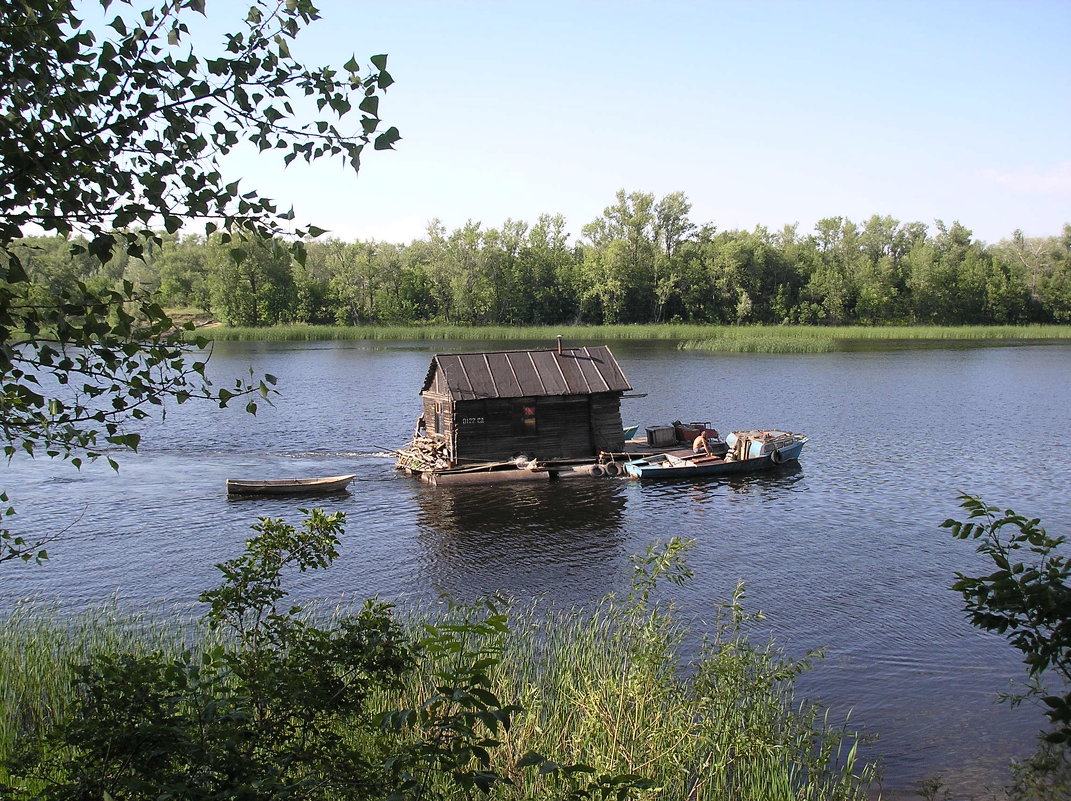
843 553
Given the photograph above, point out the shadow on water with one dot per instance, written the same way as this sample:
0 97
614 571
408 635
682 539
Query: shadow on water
768 484
286 500
523 538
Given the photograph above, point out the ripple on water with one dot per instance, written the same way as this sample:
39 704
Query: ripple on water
842 553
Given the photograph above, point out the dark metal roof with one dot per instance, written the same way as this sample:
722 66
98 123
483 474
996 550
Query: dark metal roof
528 373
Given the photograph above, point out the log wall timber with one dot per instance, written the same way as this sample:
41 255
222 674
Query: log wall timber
607 429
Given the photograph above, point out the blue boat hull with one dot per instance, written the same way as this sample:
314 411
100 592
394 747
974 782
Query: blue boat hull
660 467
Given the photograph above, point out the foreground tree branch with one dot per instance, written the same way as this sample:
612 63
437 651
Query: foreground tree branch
110 131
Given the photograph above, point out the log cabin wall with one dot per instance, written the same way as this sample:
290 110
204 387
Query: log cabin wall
547 428
607 429
438 416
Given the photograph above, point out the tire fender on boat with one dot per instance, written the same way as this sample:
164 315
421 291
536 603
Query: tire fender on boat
777 457
611 469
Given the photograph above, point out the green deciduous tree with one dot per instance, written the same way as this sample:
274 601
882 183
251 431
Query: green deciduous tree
672 228
1043 264
252 280
182 272
110 130
546 290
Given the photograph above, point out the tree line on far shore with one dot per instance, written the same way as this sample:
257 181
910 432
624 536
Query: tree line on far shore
642 261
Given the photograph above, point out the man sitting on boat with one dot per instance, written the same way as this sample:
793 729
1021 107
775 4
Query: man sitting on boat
701 443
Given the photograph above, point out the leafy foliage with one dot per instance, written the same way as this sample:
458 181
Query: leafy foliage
274 702
287 707
108 132
660 267
276 714
457 727
14 546
105 134
1027 598
105 130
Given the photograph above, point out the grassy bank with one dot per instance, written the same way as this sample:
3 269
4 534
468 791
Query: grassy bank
739 339
817 339
549 334
40 647
604 687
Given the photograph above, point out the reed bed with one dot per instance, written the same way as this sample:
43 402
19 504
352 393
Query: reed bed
417 333
820 339
726 338
40 649
607 687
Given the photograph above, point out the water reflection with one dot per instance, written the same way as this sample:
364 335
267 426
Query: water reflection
523 538
843 552
773 483
758 487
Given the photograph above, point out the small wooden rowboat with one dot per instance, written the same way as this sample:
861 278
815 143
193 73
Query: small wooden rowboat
288 486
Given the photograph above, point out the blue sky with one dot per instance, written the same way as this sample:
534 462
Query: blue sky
763 113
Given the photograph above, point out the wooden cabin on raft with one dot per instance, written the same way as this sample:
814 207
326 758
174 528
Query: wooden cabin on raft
554 404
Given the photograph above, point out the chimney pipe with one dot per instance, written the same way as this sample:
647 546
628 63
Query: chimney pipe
559 344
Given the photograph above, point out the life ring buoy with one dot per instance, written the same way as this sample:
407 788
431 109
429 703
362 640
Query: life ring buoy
777 457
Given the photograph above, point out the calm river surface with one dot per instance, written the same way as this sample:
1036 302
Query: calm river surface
843 553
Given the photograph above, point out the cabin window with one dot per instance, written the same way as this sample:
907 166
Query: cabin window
438 418
525 418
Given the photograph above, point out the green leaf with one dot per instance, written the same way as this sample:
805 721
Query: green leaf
130 441
529 759
370 105
386 140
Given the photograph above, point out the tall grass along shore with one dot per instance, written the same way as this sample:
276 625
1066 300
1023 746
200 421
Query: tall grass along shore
607 687
732 339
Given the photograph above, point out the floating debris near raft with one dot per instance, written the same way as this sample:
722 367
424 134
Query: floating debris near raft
423 453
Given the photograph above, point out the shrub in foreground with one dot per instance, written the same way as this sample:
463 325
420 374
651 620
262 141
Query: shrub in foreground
274 703
1026 599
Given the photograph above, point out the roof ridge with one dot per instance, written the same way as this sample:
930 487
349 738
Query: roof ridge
552 349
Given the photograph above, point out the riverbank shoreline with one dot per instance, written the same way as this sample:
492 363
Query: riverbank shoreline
738 339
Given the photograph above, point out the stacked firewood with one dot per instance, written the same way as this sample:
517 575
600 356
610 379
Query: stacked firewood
422 454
